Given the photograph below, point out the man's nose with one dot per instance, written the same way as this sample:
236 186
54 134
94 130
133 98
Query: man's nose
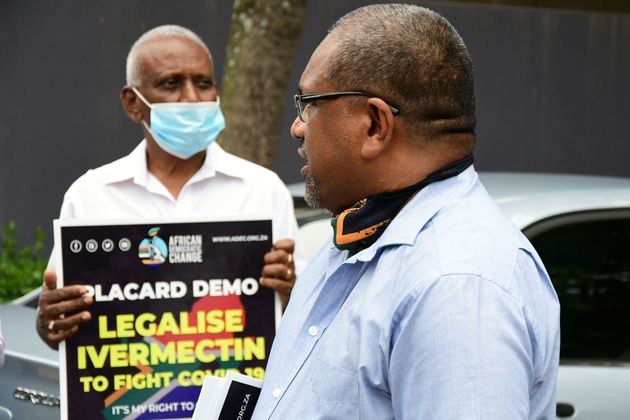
190 93
297 128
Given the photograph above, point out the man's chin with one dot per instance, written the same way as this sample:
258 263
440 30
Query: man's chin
313 201
312 196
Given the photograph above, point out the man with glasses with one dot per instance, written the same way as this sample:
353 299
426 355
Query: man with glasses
429 304
177 170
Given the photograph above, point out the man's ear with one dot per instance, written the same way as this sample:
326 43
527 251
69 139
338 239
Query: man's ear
381 130
131 104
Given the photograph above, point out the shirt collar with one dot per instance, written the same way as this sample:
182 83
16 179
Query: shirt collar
134 166
405 227
218 161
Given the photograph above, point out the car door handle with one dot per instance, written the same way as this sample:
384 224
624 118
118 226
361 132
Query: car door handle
564 410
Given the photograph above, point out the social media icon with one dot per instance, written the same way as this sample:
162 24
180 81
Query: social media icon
75 246
107 245
124 244
91 245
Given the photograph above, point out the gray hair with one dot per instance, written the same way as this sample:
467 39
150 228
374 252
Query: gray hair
411 57
160 32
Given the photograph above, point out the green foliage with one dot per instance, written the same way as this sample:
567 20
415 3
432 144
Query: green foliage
21 268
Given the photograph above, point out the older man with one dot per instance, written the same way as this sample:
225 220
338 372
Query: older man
177 170
430 304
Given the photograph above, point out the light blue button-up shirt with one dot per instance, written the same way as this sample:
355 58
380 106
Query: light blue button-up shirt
449 315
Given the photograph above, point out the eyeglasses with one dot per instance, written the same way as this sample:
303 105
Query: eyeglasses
303 101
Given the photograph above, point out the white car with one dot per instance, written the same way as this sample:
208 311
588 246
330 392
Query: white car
580 226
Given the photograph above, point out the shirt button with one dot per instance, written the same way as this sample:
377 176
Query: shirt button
313 330
276 393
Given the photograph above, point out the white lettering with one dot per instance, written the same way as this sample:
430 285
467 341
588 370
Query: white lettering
225 287
184 249
174 289
130 291
159 290
200 288
146 291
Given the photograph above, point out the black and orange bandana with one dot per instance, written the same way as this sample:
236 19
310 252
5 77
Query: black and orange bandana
359 226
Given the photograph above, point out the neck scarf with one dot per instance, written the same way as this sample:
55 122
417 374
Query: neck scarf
359 226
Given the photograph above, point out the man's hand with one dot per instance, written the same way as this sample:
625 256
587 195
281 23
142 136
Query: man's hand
60 310
279 270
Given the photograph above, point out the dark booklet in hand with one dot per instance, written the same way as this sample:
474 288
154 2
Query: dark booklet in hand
232 397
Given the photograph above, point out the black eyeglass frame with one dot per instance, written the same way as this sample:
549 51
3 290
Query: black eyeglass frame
301 101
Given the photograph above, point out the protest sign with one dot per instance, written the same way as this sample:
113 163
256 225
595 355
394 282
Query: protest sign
173 302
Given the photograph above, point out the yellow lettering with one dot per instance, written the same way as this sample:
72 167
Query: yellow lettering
254 349
184 378
81 359
147 324
97 357
173 352
215 322
163 355
185 352
234 320
142 381
203 355
124 325
103 330
138 354
224 345
185 327
86 381
146 331
118 355
167 325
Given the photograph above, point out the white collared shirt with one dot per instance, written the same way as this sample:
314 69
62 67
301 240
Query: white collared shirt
225 185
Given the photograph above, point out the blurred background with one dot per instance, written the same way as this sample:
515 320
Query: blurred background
552 86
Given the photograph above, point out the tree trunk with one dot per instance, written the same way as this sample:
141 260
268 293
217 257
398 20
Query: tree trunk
263 38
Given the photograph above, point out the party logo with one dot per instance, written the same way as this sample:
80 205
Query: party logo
153 250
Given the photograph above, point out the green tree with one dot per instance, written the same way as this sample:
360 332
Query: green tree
263 38
21 268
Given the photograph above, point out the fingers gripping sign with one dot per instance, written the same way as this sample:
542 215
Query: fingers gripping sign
279 270
61 310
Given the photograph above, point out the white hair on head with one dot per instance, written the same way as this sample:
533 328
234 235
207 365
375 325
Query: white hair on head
159 32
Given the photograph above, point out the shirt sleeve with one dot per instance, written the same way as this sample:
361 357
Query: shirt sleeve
461 349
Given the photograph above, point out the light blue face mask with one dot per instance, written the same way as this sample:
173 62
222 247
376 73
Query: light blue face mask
184 129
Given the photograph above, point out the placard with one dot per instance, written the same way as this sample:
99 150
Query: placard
174 301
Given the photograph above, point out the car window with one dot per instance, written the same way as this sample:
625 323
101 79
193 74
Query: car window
587 257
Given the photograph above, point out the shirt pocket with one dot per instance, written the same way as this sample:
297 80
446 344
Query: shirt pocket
335 384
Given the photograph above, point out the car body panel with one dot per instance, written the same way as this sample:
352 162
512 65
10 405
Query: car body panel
529 198
595 392
29 379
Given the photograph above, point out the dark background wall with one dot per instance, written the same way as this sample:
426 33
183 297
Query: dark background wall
553 90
